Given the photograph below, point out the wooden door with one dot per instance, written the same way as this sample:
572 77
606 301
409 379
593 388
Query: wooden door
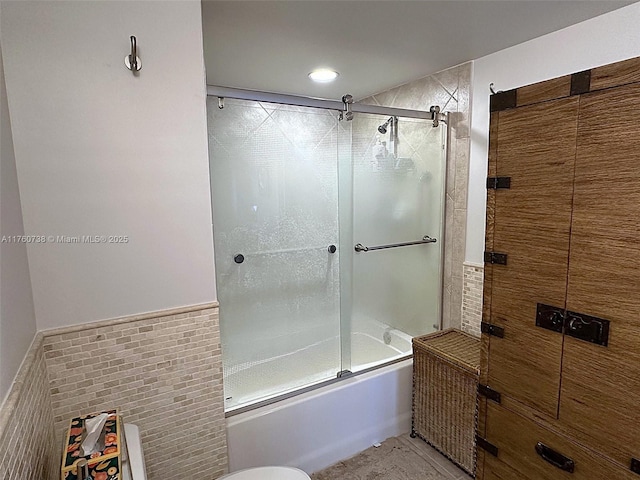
531 224
600 396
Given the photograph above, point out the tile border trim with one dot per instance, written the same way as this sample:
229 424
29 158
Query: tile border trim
129 319
473 264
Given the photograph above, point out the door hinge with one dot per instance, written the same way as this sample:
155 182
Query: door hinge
486 446
635 465
489 392
494 183
490 329
495 258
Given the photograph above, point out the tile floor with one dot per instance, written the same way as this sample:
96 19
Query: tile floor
419 454
441 463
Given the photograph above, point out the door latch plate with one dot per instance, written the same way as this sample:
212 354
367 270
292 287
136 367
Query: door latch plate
549 317
587 328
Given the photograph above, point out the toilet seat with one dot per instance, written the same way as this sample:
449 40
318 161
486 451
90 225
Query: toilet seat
268 473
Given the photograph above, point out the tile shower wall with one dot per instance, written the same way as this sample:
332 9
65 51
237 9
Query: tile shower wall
163 371
472 298
450 89
28 446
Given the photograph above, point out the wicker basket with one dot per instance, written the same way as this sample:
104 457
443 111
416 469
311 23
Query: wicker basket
446 366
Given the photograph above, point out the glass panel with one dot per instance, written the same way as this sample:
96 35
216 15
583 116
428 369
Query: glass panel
274 181
398 196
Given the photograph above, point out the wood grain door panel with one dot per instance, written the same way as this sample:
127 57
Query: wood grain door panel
600 395
516 438
497 470
531 225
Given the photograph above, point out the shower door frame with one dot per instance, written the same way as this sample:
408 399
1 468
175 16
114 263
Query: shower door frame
300 101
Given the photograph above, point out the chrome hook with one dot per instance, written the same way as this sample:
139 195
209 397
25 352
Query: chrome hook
132 61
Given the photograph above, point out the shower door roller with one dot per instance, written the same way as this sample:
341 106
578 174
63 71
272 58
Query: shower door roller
238 258
332 249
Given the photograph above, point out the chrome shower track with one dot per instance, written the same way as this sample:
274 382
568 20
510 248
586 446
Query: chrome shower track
256 96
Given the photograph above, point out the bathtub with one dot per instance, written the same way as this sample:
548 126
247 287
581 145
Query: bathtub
318 428
315 360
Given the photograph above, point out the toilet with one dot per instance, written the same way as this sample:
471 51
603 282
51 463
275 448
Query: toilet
267 473
135 461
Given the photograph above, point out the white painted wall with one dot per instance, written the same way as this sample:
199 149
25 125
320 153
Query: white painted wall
100 152
17 317
605 39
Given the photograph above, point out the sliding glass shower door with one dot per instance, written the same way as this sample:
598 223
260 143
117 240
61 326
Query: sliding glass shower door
304 207
399 167
274 175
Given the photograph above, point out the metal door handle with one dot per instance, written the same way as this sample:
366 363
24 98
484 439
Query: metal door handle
241 257
426 239
555 458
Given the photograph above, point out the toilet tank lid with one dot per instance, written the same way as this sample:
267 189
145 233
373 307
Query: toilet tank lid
136 454
268 473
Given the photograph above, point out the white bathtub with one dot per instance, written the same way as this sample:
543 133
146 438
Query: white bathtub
314 361
319 428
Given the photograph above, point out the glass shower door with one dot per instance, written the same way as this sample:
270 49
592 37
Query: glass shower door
398 197
274 178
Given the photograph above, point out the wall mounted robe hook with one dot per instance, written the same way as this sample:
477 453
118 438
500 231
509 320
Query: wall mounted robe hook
132 61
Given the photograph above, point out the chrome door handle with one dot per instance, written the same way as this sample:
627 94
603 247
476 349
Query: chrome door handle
426 239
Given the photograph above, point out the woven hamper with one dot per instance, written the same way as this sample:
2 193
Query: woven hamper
446 366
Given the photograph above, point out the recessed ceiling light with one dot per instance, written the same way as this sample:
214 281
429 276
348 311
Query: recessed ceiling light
323 75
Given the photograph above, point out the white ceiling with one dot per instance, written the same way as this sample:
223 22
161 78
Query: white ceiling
272 45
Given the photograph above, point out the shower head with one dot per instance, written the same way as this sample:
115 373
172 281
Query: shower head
383 128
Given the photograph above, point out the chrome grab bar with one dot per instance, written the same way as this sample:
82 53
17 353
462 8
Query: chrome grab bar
426 239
